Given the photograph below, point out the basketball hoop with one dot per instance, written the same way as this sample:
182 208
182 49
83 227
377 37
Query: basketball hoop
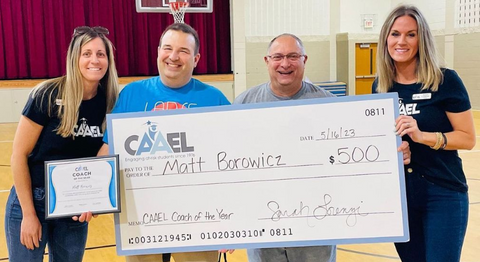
177 9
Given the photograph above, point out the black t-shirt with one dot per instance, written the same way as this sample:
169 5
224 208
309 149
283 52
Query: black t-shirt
50 146
442 167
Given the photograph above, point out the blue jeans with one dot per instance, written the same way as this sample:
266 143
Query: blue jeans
437 219
66 238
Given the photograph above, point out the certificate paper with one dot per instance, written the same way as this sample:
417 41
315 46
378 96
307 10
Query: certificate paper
296 173
83 184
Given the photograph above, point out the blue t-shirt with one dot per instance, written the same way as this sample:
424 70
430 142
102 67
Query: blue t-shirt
442 167
151 95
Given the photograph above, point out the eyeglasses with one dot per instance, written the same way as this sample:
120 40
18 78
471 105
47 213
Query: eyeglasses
292 57
87 29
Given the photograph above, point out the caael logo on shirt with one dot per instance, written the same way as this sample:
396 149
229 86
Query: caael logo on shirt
153 141
85 130
408 109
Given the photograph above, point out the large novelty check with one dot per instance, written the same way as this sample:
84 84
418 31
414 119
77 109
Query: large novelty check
297 173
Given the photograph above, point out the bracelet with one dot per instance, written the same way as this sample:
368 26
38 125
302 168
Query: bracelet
444 141
439 142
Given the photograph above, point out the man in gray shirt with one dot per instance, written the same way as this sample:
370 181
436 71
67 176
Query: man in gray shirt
286 65
285 61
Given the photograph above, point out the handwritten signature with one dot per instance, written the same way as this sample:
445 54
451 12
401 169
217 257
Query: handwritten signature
319 212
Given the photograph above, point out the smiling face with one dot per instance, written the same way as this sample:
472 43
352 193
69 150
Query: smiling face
403 40
93 62
176 58
285 75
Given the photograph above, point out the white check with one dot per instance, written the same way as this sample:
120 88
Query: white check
296 173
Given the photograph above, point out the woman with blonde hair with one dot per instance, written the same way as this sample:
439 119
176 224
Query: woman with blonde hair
64 118
436 120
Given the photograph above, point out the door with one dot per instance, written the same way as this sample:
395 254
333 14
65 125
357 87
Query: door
365 67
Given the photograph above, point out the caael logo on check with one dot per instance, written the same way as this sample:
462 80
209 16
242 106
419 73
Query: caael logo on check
153 141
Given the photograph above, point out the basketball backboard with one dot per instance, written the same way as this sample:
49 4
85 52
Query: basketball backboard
161 6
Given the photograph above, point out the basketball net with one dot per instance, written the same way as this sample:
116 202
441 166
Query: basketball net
177 9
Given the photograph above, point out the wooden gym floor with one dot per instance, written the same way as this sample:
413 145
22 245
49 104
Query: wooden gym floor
101 238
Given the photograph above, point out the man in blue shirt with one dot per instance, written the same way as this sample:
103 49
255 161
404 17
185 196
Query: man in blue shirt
174 88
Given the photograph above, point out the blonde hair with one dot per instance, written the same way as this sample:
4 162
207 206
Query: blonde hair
428 69
70 87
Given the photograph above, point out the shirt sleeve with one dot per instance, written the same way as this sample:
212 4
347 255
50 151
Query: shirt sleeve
239 99
224 101
374 86
456 96
36 108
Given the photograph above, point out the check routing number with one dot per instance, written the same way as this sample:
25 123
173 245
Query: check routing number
295 173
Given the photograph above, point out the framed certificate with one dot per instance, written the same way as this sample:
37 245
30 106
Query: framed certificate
74 186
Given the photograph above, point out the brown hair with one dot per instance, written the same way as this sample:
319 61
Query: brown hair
186 29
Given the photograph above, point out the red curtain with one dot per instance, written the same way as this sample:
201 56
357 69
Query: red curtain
35 34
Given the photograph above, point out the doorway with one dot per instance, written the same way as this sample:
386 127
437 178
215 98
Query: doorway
365 67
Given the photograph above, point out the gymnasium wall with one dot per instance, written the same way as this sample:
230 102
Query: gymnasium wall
325 25
329 29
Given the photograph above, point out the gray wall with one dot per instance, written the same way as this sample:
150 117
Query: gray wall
467 64
342 58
